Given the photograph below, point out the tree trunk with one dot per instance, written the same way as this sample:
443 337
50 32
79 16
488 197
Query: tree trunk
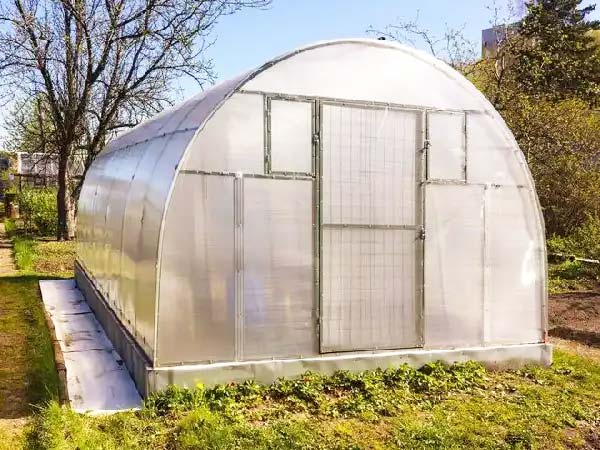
64 202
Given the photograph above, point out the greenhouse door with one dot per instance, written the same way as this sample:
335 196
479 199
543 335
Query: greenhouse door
370 228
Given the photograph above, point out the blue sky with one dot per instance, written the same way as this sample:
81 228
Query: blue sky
250 37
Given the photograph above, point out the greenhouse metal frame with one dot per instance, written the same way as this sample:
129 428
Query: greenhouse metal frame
279 223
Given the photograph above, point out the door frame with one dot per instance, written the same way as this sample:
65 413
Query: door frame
421 145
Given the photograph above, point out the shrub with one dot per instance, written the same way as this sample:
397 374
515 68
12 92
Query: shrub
38 207
583 242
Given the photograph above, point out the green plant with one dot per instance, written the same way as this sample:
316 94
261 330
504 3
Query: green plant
24 252
38 207
568 273
10 227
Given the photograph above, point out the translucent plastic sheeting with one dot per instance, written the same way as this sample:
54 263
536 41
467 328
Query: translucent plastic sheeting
184 116
156 191
514 291
370 71
291 136
149 153
85 217
278 255
369 289
446 159
454 265
369 165
491 158
98 226
127 163
233 139
196 317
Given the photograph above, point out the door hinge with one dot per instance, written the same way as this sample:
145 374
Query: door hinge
422 234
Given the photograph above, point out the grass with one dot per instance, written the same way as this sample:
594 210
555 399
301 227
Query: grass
27 372
436 407
28 379
45 257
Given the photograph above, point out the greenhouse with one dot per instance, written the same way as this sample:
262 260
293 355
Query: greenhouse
351 204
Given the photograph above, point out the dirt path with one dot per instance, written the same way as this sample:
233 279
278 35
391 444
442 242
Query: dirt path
7 265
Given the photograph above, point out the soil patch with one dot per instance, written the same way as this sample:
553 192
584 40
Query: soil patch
576 316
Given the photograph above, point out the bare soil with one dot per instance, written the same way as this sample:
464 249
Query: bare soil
576 316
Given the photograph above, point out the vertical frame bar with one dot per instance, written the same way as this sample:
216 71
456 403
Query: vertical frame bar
267 131
465 146
238 258
420 192
317 142
486 328
319 193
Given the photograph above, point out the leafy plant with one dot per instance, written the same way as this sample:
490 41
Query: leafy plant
38 206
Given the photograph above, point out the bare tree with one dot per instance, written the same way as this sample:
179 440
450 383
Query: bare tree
452 46
99 66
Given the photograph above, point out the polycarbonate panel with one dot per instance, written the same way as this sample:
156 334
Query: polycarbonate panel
132 238
371 71
369 165
196 317
184 116
514 290
233 139
99 236
157 189
368 287
454 265
127 159
491 157
278 254
446 159
291 136
84 215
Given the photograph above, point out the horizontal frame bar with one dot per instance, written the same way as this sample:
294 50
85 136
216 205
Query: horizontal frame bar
272 176
372 226
359 103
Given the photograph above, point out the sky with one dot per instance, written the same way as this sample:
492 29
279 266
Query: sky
248 38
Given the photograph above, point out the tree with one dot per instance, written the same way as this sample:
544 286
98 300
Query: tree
561 142
559 56
101 66
29 129
453 47
543 79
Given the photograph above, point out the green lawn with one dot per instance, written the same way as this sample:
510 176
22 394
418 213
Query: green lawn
436 407
28 377
463 406
27 372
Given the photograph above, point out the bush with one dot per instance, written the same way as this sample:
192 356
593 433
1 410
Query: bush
583 242
567 273
38 207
